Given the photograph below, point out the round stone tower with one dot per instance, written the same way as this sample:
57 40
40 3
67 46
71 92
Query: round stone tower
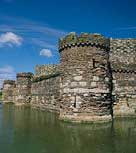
86 78
23 88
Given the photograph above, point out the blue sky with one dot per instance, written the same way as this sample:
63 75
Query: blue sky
29 29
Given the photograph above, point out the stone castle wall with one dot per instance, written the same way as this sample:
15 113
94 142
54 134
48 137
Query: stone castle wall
46 69
96 80
46 92
123 64
23 88
8 91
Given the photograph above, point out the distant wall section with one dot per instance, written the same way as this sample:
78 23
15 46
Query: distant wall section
8 91
46 69
123 64
23 88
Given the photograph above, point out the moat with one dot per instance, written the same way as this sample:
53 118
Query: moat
25 130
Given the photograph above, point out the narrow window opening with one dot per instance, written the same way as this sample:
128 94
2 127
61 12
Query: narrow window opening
93 63
75 102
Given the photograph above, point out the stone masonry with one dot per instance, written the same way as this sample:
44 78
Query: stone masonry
46 88
23 88
94 82
8 91
85 88
123 63
46 69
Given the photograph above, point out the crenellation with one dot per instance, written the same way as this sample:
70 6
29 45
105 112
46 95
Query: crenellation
84 39
94 82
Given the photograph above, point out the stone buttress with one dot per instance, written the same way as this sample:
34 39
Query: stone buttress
86 78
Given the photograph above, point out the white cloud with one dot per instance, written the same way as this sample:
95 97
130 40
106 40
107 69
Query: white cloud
10 39
6 73
43 43
28 26
34 33
46 52
7 69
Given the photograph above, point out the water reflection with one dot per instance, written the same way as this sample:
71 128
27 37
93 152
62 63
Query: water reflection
24 130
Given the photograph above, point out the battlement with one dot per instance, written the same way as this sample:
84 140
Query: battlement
42 70
24 74
72 39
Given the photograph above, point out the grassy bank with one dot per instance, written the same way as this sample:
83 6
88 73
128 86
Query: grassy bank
0 95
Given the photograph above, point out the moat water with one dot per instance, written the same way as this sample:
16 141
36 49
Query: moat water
24 130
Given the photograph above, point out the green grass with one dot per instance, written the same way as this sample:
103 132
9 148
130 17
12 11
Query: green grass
0 95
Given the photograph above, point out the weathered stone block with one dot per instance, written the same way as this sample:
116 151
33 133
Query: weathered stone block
78 78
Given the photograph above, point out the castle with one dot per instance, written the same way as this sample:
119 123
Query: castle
94 82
